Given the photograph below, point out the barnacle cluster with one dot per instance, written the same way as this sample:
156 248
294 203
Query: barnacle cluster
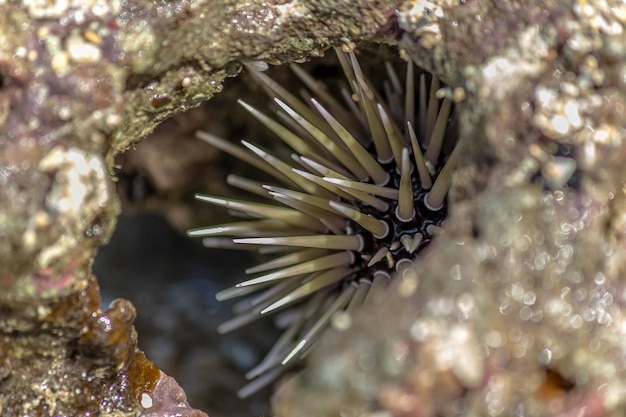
364 192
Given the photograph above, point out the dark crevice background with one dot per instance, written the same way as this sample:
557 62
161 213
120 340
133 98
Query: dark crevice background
172 282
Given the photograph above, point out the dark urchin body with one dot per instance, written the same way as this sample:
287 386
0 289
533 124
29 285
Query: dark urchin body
362 196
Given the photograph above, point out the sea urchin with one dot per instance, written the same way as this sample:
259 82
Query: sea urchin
363 194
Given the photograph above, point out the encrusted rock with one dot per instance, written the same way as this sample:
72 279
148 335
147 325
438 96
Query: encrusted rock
528 273
517 309
79 82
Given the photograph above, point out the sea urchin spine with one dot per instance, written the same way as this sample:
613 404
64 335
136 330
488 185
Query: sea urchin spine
361 197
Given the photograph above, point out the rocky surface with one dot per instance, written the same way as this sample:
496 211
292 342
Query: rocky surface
516 310
519 306
80 81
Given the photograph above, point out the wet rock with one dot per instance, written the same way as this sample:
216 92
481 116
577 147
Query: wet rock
79 82
167 399
517 308
524 283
